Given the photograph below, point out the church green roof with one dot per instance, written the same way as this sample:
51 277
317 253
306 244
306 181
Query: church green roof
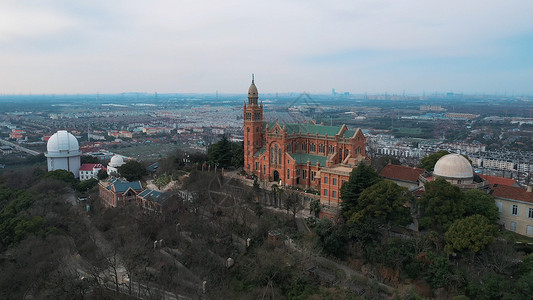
312 129
302 158
260 152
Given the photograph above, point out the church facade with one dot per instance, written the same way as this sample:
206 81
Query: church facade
295 154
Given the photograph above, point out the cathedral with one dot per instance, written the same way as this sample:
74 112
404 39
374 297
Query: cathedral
307 155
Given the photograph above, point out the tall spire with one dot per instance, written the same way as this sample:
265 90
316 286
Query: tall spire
252 93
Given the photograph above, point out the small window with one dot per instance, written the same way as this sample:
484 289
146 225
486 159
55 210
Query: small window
529 230
514 210
334 181
325 192
334 194
513 226
500 207
326 180
288 173
530 213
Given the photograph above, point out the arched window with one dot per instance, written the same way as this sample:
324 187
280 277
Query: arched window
304 146
321 148
275 154
312 147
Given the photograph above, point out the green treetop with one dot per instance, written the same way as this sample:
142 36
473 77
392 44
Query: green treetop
361 177
384 202
471 233
440 205
429 161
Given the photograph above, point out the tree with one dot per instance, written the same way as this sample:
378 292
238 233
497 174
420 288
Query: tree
380 162
102 174
88 159
360 178
385 202
132 170
440 205
471 233
293 203
429 161
238 154
221 153
62 175
480 203
86 185
314 207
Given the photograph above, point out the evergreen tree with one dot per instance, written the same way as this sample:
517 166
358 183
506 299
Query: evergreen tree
441 204
361 177
221 153
132 170
471 233
429 161
384 202
480 203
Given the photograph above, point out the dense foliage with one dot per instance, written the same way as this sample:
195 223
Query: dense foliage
132 170
441 204
384 202
429 161
226 154
361 178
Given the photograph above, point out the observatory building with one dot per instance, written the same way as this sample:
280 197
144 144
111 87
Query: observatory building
115 162
63 153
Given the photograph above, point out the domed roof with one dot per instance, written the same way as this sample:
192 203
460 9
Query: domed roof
453 166
62 141
116 161
252 90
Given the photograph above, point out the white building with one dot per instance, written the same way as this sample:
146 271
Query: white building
88 171
63 153
114 164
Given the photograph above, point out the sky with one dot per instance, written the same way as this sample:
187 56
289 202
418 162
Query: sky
178 46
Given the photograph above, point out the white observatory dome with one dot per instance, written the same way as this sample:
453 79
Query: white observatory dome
116 161
453 166
62 144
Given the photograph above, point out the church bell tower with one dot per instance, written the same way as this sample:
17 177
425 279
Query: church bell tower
253 127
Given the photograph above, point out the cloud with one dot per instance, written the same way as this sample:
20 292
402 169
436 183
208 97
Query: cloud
202 46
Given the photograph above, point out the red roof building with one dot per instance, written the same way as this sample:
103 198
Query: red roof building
402 175
88 171
515 207
499 180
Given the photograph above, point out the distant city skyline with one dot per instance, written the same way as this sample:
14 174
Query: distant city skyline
375 47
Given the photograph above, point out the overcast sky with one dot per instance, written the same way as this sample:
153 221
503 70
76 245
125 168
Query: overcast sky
374 46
